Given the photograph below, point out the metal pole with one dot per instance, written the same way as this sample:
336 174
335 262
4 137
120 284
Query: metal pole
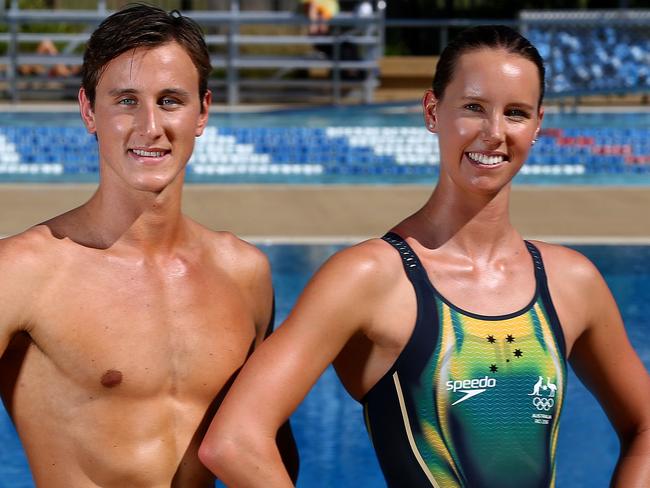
232 75
377 50
336 68
444 37
12 50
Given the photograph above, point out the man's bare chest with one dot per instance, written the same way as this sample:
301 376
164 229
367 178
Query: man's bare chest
142 333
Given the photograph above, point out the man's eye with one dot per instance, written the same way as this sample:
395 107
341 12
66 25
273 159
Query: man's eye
473 107
169 102
127 101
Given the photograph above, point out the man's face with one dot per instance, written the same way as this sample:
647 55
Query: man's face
146 115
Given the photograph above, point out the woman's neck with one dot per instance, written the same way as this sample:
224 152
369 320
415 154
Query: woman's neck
470 223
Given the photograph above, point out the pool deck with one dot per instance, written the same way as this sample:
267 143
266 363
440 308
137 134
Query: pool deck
349 213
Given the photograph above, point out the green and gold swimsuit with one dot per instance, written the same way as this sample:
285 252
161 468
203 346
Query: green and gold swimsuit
472 401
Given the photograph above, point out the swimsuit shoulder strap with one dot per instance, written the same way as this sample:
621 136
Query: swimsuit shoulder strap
540 272
410 260
545 294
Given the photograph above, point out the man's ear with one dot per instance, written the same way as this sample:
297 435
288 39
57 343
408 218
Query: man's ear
203 116
87 112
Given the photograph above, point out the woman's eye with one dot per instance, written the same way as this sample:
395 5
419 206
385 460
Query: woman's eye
515 112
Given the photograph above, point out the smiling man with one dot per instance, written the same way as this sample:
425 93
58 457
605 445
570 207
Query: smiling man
123 322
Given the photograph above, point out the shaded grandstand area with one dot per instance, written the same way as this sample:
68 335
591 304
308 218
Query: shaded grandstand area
261 51
320 155
590 52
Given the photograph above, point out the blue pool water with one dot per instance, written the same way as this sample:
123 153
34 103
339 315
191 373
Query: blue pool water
361 144
335 450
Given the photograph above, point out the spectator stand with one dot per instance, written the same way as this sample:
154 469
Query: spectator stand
592 52
246 66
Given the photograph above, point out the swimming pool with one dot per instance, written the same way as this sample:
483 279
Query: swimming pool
335 449
378 144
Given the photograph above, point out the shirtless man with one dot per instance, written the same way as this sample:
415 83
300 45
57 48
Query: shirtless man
123 321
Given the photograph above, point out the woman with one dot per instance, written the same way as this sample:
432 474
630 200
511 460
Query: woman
451 330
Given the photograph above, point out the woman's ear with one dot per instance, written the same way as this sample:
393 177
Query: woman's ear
540 117
429 104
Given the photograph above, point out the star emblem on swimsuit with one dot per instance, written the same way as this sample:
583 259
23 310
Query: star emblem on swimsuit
494 368
510 338
491 339
518 353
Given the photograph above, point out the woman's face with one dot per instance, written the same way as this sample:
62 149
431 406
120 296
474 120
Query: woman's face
486 120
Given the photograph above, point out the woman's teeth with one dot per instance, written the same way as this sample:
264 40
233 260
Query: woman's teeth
484 159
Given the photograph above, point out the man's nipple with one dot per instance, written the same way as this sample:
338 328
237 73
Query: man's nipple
111 378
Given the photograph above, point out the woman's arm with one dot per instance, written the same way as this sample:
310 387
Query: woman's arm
605 361
240 446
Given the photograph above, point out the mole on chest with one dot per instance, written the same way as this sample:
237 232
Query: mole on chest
111 378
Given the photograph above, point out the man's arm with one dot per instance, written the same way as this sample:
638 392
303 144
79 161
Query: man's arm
17 256
240 446
605 361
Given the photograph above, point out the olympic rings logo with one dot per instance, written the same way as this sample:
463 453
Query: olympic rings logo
542 403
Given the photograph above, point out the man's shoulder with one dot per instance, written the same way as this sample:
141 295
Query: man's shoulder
232 253
32 244
247 268
30 257
227 243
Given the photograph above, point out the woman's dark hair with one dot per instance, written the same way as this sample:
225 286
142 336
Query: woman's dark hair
143 26
480 37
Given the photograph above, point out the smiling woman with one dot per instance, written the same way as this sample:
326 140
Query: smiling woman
481 127
451 330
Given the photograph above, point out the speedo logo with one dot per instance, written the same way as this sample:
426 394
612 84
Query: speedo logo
470 388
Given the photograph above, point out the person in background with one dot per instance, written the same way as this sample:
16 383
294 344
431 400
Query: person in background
123 321
452 330
319 13
46 47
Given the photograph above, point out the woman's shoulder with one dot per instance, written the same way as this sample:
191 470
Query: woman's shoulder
372 263
371 253
569 268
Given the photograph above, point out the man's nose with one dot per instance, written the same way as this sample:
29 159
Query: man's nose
148 120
